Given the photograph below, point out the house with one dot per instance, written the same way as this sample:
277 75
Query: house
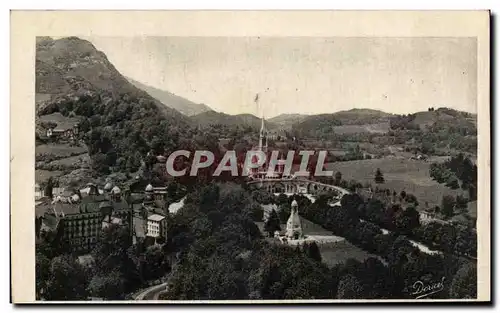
277 135
63 131
39 192
150 213
156 226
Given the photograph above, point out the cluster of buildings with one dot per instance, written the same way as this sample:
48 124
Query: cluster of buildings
63 131
78 218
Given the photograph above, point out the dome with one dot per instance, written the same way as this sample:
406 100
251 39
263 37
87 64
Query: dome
149 187
294 203
108 186
115 190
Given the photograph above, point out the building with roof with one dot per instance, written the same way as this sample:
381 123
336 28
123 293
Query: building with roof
150 213
156 226
39 192
80 222
63 131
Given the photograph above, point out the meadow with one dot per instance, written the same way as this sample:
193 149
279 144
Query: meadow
59 150
379 128
412 176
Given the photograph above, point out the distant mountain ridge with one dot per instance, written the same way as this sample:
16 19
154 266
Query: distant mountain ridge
287 120
171 100
211 117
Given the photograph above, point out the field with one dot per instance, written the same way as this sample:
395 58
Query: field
339 252
412 176
53 159
380 128
71 161
43 175
335 252
59 150
58 118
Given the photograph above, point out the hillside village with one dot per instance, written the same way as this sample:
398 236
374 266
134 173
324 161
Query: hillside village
103 199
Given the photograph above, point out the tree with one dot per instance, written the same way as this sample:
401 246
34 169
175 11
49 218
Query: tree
338 178
272 224
49 186
350 288
284 212
408 220
452 182
282 199
312 251
109 286
42 274
403 194
379 177
155 263
67 280
464 284
448 206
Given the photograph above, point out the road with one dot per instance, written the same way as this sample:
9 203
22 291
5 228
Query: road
152 292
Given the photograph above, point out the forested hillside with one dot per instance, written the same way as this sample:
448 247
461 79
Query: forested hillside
119 123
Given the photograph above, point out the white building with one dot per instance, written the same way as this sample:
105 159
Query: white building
294 225
39 192
156 226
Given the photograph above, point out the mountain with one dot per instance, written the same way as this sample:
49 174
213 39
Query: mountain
180 104
118 122
287 120
445 116
316 126
361 116
441 118
71 66
217 118
343 122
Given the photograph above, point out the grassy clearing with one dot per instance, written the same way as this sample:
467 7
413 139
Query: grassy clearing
379 128
70 161
339 252
58 118
59 150
43 175
400 174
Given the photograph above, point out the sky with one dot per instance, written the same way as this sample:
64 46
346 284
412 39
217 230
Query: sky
307 75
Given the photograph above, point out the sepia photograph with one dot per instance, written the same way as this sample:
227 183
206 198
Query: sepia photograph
258 168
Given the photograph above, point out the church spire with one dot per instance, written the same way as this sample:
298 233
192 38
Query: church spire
263 135
263 131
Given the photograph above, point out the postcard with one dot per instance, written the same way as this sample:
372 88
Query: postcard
250 156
